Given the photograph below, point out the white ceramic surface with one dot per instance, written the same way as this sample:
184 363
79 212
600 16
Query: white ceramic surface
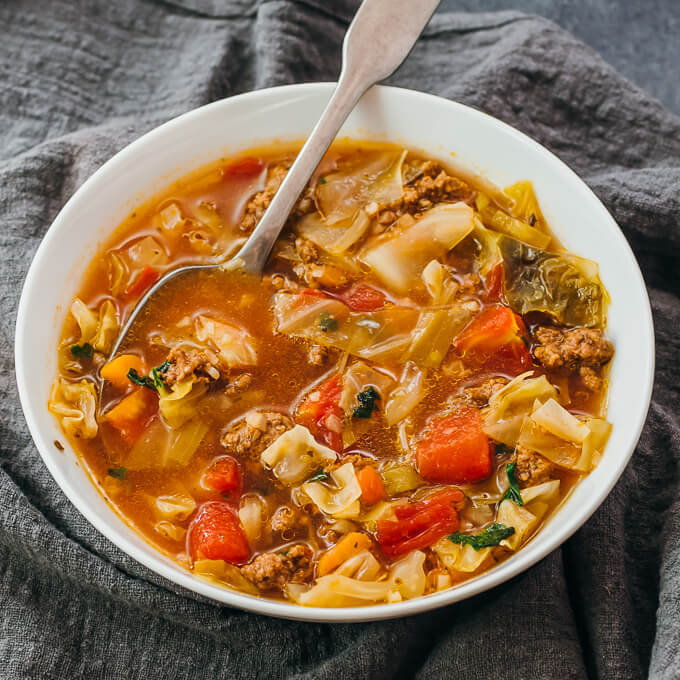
436 126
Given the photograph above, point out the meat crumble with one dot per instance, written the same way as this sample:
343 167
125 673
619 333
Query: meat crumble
580 351
201 365
273 570
250 436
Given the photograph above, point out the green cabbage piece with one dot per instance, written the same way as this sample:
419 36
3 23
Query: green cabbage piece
538 281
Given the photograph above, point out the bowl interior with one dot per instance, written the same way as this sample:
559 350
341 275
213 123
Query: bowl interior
471 138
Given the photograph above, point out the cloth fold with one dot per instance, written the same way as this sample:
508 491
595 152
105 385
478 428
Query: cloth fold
81 80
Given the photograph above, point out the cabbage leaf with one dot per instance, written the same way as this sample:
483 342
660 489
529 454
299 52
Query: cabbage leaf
75 405
538 281
341 500
233 344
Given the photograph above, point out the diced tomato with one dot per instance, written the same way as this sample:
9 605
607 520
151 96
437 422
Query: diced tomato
321 412
216 533
495 339
371 483
363 298
131 415
223 475
245 166
314 292
419 525
147 277
455 449
494 283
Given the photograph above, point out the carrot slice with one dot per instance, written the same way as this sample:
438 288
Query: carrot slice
130 415
349 545
371 483
116 371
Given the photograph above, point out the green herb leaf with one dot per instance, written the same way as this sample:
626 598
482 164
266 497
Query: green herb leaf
141 380
327 322
367 404
322 180
491 536
154 381
319 476
513 493
118 473
84 351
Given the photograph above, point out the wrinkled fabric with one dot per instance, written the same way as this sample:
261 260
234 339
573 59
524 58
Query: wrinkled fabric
79 81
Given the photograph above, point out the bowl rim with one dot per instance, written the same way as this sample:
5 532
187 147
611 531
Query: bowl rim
506 570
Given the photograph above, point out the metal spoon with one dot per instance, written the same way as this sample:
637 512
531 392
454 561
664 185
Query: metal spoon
378 40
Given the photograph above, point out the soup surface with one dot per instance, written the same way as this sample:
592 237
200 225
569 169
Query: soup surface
412 388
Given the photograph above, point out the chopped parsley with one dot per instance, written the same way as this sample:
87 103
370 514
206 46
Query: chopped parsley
322 180
319 476
367 404
154 381
532 220
118 473
327 322
84 351
513 493
491 536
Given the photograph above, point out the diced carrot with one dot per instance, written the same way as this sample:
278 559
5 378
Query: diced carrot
143 282
131 415
116 371
349 545
371 483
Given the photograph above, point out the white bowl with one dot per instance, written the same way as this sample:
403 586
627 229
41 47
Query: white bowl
420 121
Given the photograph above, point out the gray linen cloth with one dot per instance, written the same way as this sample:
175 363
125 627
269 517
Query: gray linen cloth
80 80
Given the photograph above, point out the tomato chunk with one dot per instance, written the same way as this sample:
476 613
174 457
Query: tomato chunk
147 277
363 298
371 483
494 283
455 449
495 338
419 525
245 166
223 475
322 414
216 533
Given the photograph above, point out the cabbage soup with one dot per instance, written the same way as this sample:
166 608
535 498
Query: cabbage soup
400 403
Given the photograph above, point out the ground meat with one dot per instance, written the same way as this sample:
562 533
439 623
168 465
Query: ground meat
356 459
577 351
258 203
238 384
322 275
271 571
318 355
470 284
479 395
285 520
532 468
307 251
432 185
200 364
250 436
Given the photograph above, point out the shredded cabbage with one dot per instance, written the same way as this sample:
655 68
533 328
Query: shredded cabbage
461 558
511 226
178 405
363 566
407 575
295 455
234 345
401 478
357 378
407 395
75 405
178 506
557 420
99 329
374 178
399 257
183 442
336 590
221 572
341 500
252 513
335 238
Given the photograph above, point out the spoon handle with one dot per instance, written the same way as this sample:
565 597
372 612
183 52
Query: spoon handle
379 38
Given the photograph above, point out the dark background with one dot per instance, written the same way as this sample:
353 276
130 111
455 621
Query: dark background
640 38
